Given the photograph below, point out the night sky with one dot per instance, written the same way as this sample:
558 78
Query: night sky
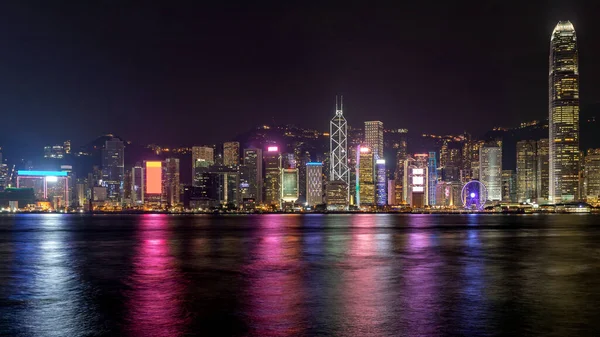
181 74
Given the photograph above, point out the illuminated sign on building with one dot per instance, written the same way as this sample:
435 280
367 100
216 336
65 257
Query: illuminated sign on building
42 173
153 177
272 149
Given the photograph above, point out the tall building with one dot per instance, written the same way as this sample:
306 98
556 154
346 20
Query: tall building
365 187
336 195
202 153
314 183
272 176
591 182
374 138
381 183
432 179
231 153
172 181
153 184
289 185
253 160
526 170
490 169
564 114
137 184
113 168
416 186
509 186
543 170
338 147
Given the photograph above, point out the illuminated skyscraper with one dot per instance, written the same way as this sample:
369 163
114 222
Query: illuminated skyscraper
543 170
490 169
172 181
272 176
381 183
591 181
365 186
526 170
203 153
113 168
253 160
338 147
432 177
314 183
416 187
137 184
564 114
374 138
231 153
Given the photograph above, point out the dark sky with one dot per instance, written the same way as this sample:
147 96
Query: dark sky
184 74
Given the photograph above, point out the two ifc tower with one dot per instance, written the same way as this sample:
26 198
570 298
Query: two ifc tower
563 106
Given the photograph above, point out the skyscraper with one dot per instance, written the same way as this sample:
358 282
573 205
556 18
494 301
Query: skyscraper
564 114
374 138
526 170
172 181
338 147
137 184
365 194
113 168
543 170
592 176
490 169
381 182
432 179
231 153
272 176
253 160
204 153
416 187
314 183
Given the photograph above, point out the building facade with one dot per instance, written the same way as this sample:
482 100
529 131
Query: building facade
374 138
365 185
314 183
591 182
272 181
253 160
490 169
113 168
526 170
231 153
172 181
564 114
543 171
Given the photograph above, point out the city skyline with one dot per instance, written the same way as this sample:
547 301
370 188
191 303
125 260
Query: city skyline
393 70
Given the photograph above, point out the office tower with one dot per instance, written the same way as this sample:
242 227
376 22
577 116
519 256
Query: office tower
564 114
314 183
127 186
509 186
448 194
231 153
272 179
172 181
113 166
336 195
137 184
365 187
206 154
153 184
253 160
303 158
289 185
67 146
591 182
432 179
526 170
416 186
222 186
381 182
490 169
391 194
338 147
374 138
543 170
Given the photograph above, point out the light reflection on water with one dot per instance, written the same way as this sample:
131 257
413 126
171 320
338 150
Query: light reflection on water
281 275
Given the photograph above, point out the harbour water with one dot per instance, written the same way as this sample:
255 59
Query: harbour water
299 275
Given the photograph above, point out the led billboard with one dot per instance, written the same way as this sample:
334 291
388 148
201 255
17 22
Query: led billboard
153 177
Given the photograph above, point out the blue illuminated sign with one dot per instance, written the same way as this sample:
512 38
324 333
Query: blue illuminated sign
42 173
314 164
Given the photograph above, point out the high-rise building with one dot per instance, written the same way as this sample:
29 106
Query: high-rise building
314 183
289 185
543 170
336 195
338 147
564 114
381 182
272 179
526 170
432 179
416 186
137 184
231 153
172 181
490 169
591 182
365 187
253 160
509 186
153 184
206 154
113 168
374 138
